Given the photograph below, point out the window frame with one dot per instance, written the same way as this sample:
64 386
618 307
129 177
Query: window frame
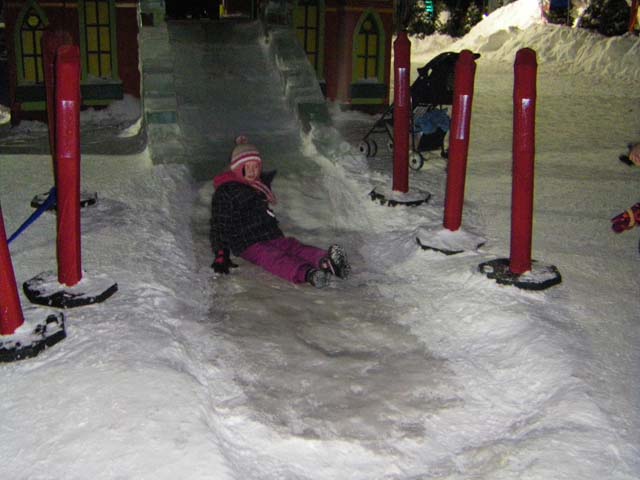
319 28
86 76
19 51
375 19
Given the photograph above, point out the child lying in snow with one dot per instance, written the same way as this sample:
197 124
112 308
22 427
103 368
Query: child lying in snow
243 224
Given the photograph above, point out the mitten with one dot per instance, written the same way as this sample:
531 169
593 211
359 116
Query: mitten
222 262
627 219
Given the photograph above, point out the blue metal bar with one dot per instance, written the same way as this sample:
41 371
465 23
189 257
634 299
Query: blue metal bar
51 199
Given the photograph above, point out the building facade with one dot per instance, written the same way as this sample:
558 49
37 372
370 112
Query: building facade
348 42
106 32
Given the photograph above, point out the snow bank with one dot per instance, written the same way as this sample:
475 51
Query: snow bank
521 15
570 51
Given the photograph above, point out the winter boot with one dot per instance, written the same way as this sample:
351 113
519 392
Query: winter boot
318 278
336 262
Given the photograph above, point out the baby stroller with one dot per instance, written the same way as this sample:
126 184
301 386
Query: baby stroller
431 93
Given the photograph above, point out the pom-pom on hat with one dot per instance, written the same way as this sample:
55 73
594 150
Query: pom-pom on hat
242 153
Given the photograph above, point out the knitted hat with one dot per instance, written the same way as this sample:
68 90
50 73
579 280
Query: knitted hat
242 153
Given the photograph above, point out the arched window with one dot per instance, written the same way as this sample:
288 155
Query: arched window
368 85
31 25
307 23
368 47
98 38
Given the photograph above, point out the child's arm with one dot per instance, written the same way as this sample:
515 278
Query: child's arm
221 216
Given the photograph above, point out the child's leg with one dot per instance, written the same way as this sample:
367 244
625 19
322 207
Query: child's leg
270 256
294 247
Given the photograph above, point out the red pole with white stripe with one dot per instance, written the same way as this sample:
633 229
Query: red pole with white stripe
524 121
459 139
68 164
401 111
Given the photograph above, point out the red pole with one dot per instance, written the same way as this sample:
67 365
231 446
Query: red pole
401 112
524 119
10 310
51 40
68 164
459 139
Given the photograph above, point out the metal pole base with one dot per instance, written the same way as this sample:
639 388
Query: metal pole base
392 198
540 277
447 242
29 344
86 200
44 289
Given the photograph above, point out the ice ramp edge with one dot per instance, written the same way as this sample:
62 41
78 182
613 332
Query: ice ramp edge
299 81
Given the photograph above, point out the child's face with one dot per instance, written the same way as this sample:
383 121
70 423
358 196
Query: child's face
251 171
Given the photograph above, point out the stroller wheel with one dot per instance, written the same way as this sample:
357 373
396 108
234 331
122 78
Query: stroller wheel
368 147
416 160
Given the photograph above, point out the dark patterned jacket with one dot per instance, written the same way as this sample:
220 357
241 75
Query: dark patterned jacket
240 216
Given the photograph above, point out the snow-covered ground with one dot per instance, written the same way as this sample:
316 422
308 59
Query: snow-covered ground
417 367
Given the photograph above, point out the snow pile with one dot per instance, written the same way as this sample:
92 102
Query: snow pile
124 112
119 111
519 15
418 366
571 51
567 50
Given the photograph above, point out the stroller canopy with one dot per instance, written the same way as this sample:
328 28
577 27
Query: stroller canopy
434 85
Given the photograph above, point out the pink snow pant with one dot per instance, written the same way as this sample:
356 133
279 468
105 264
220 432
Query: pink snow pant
285 257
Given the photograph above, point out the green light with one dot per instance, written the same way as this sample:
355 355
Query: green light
428 7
